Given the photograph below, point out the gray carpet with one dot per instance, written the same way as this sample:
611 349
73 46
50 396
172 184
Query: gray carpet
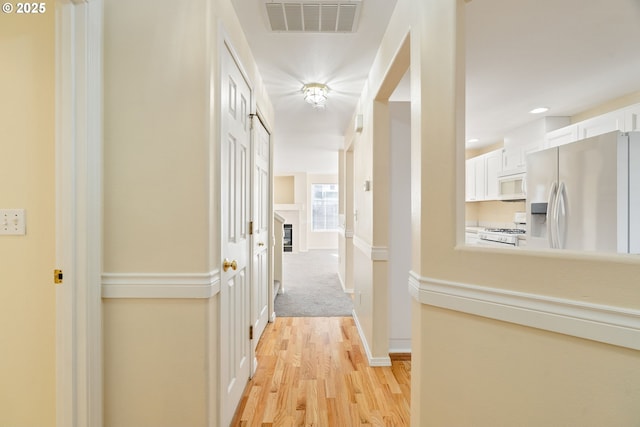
311 286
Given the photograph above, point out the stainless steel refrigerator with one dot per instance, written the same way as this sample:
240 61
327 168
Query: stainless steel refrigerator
585 196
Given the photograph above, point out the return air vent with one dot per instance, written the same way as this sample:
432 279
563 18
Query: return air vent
314 16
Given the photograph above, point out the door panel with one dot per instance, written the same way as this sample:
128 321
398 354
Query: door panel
588 170
261 225
234 293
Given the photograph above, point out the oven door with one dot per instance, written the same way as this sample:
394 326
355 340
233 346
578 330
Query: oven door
482 242
497 240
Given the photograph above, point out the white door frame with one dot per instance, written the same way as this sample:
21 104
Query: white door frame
79 212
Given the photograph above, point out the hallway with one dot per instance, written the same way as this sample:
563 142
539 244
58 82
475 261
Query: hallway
313 372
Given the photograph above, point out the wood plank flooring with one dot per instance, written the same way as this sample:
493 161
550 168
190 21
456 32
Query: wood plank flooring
312 371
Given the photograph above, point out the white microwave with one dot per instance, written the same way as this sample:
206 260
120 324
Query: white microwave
512 187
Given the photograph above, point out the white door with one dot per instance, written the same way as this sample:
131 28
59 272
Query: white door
235 204
261 242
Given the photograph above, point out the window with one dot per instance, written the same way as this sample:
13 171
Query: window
324 199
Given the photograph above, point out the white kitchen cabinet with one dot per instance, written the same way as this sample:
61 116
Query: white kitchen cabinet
561 136
475 179
470 181
632 118
526 139
604 123
493 168
482 176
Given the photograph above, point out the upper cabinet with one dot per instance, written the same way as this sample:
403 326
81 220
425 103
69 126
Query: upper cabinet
625 119
562 136
601 124
493 167
526 139
481 182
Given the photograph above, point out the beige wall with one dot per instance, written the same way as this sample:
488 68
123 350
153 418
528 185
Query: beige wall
284 190
504 373
493 211
161 202
614 104
27 293
155 366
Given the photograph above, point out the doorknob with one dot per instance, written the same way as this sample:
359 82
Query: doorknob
226 264
260 244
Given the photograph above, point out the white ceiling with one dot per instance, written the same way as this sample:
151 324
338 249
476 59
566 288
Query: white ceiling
568 55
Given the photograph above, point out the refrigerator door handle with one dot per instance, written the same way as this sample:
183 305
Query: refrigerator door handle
550 211
560 205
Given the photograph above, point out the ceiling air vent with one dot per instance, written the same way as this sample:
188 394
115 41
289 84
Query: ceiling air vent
314 16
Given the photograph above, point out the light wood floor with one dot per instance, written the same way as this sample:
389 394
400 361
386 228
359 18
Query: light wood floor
312 371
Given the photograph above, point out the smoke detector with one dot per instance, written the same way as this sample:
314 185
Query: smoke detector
313 16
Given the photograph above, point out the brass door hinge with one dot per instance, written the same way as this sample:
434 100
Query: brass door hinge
57 276
251 332
250 227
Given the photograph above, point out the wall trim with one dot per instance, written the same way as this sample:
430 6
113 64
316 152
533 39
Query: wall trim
78 145
607 324
344 288
374 253
373 361
161 285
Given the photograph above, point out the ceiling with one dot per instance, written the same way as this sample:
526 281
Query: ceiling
567 55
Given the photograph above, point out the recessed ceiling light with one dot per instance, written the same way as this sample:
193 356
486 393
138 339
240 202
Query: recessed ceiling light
473 140
539 110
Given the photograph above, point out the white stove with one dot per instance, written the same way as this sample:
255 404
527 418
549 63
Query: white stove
500 236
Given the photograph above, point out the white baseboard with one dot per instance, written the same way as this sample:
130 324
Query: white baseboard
344 288
373 361
611 325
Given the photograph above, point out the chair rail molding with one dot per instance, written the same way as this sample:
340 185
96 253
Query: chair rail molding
607 324
375 253
161 285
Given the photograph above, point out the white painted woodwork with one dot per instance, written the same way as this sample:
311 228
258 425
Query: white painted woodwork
79 212
475 179
235 202
493 167
561 136
482 176
632 118
607 324
525 139
598 125
261 236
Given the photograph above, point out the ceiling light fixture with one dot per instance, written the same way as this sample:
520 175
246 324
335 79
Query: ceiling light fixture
473 140
539 110
315 94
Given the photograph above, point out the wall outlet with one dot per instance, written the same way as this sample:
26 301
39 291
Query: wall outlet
12 222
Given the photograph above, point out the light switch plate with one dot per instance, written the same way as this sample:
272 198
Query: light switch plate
12 221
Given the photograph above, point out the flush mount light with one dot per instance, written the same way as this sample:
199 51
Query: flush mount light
473 140
315 94
539 110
